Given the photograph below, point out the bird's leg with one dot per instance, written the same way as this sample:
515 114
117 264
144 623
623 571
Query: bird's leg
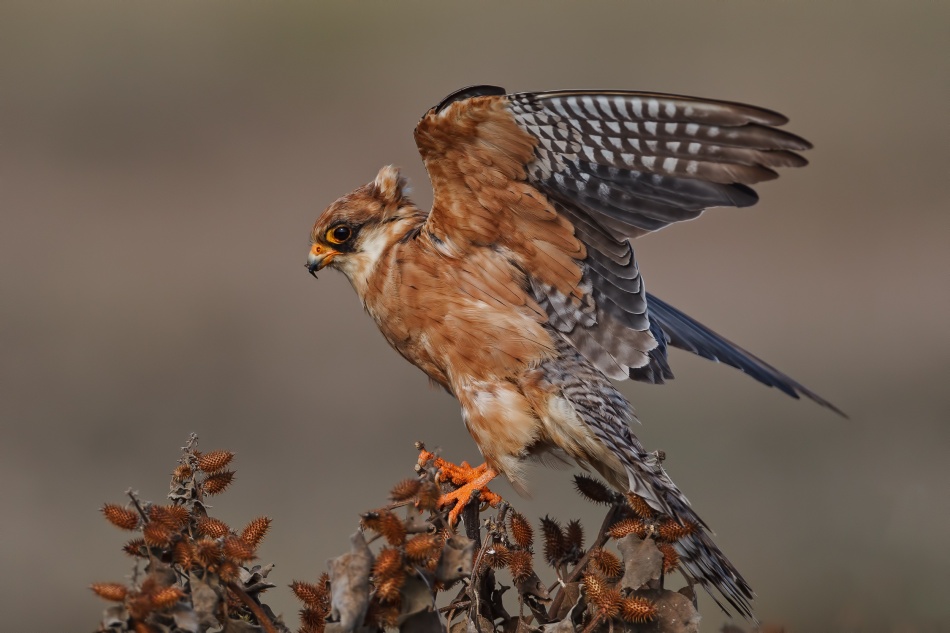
467 478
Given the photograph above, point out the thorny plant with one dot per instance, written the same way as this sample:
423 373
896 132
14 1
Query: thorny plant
403 562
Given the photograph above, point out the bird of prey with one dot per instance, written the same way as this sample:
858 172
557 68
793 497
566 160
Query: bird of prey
519 292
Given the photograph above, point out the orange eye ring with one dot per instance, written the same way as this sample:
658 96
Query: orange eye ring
339 234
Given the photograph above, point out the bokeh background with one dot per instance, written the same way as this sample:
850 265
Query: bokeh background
161 164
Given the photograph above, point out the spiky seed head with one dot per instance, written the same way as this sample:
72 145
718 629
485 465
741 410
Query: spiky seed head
208 551
312 621
156 535
388 563
167 597
387 524
182 473
606 598
135 547
555 542
428 496
672 530
594 490
606 563
574 536
521 565
216 483
184 554
423 547
497 556
229 571
521 530
255 531
624 527
215 528
171 516
405 490
124 518
213 461
671 558
637 609
312 595
640 506
390 589
238 549
110 591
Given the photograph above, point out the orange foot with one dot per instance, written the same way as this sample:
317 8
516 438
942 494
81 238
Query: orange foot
467 479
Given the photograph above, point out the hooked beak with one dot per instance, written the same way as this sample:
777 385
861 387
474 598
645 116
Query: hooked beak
319 257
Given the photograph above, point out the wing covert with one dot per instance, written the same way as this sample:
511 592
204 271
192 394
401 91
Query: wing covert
561 182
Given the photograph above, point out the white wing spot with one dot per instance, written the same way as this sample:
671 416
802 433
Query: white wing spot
613 126
608 155
713 132
692 167
648 161
621 106
650 127
692 128
669 164
670 109
651 145
674 146
693 148
671 128
653 107
629 159
638 108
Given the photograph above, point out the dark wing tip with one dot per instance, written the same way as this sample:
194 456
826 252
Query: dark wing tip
468 92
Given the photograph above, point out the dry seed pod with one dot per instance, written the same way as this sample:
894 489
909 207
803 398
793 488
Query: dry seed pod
601 594
387 524
214 461
671 558
229 571
216 483
207 551
312 595
124 518
521 530
574 536
555 543
428 496
390 589
110 591
134 548
672 530
497 556
607 563
172 517
167 597
422 547
642 509
215 528
255 531
388 563
521 565
156 535
184 554
383 615
594 489
405 490
624 527
238 549
636 609
182 473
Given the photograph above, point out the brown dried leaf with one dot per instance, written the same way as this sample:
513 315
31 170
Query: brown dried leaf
349 582
642 560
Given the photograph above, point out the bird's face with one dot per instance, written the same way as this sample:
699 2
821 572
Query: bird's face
354 232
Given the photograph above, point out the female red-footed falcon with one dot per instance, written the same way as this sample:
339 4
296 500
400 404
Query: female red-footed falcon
519 291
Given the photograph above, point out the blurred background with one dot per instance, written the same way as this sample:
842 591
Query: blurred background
161 164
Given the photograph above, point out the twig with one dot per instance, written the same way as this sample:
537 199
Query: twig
138 506
255 608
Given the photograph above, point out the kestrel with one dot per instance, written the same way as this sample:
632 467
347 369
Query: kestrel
519 292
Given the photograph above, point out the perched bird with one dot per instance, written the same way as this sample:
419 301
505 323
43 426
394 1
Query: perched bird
518 291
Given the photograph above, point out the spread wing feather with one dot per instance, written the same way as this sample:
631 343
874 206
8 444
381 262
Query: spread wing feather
561 182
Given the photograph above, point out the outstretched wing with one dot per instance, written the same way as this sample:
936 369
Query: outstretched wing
560 182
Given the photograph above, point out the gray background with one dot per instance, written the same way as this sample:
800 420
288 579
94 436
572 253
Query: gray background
162 163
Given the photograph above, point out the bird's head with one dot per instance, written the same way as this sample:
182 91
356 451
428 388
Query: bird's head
357 229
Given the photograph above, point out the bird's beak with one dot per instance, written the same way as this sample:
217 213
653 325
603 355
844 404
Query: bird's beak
319 257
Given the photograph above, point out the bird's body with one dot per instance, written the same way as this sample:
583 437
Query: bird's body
519 292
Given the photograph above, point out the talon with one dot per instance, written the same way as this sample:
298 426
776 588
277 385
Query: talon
467 478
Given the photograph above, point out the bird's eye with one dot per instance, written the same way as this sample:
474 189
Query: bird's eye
339 234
